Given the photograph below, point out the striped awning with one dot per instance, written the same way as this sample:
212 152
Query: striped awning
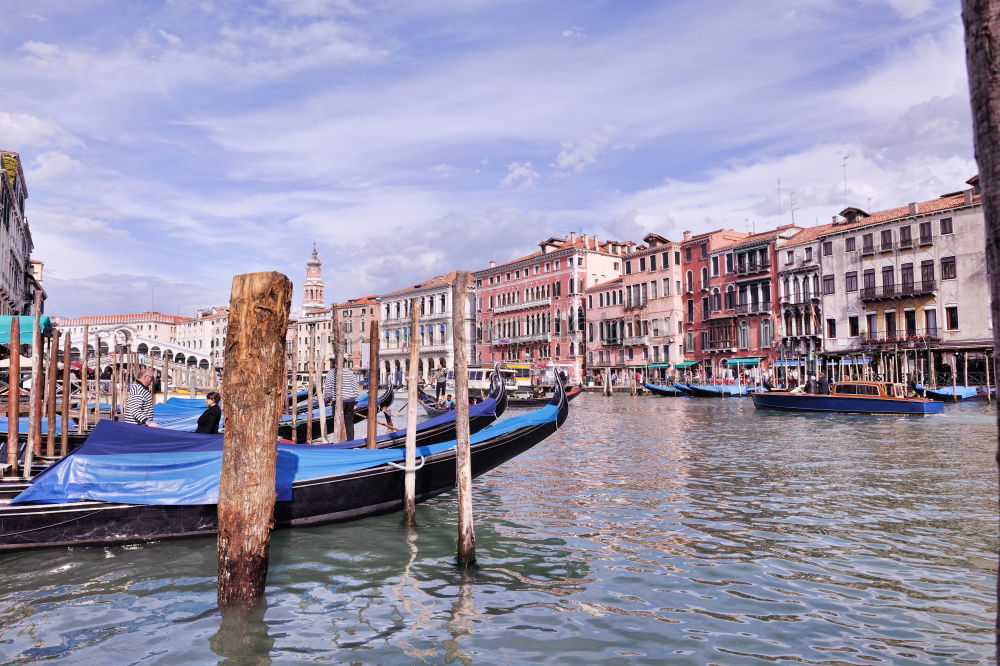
752 360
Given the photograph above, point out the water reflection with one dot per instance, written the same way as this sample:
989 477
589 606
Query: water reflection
243 638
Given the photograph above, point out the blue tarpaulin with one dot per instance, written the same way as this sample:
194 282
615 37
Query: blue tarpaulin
44 323
22 425
133 464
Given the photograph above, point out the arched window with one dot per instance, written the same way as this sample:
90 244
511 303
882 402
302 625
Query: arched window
689 278
704 277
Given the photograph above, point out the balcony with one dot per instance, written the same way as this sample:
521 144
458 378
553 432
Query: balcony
799 299
867 250
705 285
913 338
885 246
635 303
635 340
763 307
905 243
522 339
926 240
611 342
523 305
750 269
904 290
717 345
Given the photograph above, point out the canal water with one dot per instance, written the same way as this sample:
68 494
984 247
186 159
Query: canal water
647 531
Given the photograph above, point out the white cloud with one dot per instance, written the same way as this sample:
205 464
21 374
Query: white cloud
21 130
909 9
172 40
519 174
445 170
574 31
576 156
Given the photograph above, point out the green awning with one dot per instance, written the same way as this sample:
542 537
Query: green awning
44 322
658 366
754 360
687 364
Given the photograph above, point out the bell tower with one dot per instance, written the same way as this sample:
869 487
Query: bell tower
314 283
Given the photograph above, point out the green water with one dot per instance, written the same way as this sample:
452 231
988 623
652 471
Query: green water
647 531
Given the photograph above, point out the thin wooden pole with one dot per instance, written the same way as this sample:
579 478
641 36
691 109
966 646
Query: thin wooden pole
67 392
50 395
954 376
373 372
97 378
13 394
35 396
410 475
339 432
115 372
989 398
84 364
965 368
463 454
317 380
295 385
255 350
310 389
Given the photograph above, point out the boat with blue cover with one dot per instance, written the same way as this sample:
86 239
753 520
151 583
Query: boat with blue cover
683 388
856 397
672 391
130 484
294 427
721 390
954 393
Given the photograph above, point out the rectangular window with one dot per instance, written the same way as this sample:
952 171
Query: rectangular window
827 284
910 322
905 239
729 262
652 289
790 257
890 323
872 323
930 322
849 244
946 225
628 268
886 239
809 254
925 233
906 277
590 300
555 265
853 326
868 244
927 273
687 255
715 266
665 259
851 281
831 328
948 268
652 263
951 317
888 278
666 286
827 248
704 250
677 257
642 264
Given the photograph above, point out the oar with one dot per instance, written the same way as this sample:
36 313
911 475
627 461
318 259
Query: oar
393 429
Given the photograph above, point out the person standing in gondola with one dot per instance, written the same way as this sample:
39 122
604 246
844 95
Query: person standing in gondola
348 394
442 379
208 422
139 403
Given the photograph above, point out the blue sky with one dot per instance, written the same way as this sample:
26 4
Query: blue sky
170 145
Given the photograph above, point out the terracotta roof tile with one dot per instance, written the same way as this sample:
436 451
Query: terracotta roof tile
604 285
902 212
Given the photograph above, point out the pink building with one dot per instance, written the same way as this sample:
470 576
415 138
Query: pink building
532 309
605 329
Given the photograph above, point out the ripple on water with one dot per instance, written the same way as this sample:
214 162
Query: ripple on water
646 531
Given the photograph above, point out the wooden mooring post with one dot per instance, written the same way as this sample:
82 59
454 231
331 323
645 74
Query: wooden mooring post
463 454
84 365
410 475
254 363
13 395
34 442
67 394
50 395
373 373
339 431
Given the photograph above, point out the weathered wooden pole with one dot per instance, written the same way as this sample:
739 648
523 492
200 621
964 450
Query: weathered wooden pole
255 352
115 367
34 443
317 380
373 373
463 455
410 475
965 368
50 395
84 365
295 385
339 431
989 398
982 56
97 378
67 392
310 389
13 394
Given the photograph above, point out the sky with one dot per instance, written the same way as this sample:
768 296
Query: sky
169 145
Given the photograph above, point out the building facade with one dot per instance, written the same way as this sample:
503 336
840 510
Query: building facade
19 280
532 310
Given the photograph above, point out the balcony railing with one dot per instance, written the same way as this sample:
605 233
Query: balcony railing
911 337
906 289
800 299
753 308
720 344
905 243
523 339
867 249
523 305
611 342
926 240
885 246
635 303
749 269
635 340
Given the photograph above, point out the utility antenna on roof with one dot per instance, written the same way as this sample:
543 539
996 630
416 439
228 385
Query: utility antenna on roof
792 206
779 202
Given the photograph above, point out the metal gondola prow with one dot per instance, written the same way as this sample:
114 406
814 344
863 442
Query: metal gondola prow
560 400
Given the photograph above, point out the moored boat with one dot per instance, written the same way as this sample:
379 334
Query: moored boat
663 390
514 401
954 393
315 484
856 397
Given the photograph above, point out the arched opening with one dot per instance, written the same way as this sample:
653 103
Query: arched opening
155 352
178 358
143 348
203 364
192 361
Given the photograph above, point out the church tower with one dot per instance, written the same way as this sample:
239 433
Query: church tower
314 283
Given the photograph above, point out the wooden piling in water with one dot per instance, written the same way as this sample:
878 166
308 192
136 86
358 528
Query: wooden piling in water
34 442
339 432
463 454
84 364
50 395
67 393
317 380
373 373
410 475
310 390
13 395
295 386
255 350
989 398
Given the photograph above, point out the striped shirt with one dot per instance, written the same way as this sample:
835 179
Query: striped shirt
349 392
138 404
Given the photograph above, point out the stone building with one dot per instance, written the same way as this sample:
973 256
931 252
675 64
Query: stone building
531 310
19 279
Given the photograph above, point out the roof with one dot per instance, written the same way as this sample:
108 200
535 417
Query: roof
604 285
810 234
587 243
949 201
447 278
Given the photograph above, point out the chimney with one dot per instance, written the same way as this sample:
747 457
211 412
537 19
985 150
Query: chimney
835 218
967 197
493 263
585 239
572 238
913 208
687 235
597 243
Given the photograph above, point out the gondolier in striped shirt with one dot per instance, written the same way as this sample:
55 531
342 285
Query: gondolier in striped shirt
139 403
348 394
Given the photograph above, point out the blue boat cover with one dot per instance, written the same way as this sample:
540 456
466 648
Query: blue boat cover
25 324
22 425
133 464
963 392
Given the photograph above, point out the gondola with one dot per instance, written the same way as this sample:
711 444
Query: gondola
315 484
954 393
722 390
671 391
538 402
430 404
683 388
301 421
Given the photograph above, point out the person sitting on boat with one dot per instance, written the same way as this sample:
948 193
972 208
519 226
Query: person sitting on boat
823 385
139 402
208 422
348 393
449 402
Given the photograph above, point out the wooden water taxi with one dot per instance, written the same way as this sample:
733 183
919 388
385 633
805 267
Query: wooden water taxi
856 397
